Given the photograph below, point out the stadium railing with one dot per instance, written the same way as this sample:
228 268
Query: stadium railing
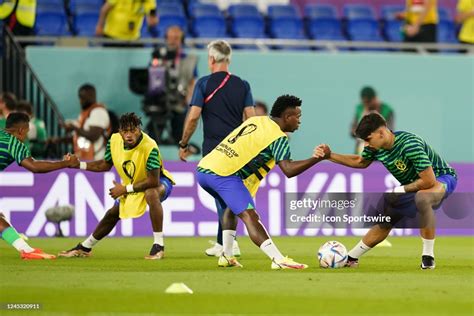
263 44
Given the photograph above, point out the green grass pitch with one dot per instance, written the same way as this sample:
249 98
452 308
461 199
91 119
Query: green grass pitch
117 280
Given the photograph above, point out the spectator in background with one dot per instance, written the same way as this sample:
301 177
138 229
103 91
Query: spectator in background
123 19
370 103
37 135
465 15
261 108
92 128
19 16
421 17
186 66
223 99
7 106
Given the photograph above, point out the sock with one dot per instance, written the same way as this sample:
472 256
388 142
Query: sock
228 237
89 242
428 247
271 250
359 250
10 235
158 238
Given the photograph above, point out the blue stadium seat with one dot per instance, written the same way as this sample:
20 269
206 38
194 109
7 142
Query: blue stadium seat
363 30
50 8
287 28
446 32
57 3
444 14
168 21
51 24
325 29
388 12
85 20
243 10
171 8
205 10
209 26
318 11
359 11
76 4
282 11
248 27
393 31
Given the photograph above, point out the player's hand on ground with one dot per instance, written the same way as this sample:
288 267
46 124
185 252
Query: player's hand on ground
117 190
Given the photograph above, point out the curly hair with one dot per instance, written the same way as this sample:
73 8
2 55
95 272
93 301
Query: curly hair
284 102
130 121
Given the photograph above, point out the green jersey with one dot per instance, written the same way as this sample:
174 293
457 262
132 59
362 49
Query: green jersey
11 150
409 156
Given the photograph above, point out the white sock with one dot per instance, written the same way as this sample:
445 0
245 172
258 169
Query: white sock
21 245
428 247
359 250
158 238
228 237
271 250
90 242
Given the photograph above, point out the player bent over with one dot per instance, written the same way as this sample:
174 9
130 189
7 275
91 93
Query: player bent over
419 169
136 157
235 167
12 149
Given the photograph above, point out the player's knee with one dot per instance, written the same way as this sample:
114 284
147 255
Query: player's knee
422 201
152 196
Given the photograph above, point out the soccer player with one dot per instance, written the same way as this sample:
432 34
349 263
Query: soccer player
137 159
12 149
246 155
415 165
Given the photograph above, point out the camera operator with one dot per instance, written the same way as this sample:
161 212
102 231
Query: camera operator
172 75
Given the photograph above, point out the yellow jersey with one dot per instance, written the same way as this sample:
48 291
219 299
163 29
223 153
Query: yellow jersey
414 9
467 30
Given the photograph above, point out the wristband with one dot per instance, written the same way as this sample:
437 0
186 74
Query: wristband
129 188
182 146
400 189
83 165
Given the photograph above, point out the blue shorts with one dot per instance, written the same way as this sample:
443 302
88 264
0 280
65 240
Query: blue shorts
229 191
449 183
168 188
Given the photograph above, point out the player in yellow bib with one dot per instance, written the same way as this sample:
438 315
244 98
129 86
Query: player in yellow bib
136 158
232 172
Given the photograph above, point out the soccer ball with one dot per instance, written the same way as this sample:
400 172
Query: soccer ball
332 255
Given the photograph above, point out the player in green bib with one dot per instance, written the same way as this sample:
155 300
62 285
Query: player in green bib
418 168
12 149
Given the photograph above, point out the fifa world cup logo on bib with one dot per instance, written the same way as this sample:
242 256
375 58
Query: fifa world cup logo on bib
400 165
129 169
247 129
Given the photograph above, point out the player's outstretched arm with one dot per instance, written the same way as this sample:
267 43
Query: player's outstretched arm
353 161
94 166
43 166
293 168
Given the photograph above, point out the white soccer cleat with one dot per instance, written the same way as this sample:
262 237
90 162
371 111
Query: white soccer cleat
215 251
287 263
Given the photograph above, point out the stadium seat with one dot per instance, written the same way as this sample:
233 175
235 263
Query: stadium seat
209 26
51 24
283 11
168 21
359 11
388 12
364 30
248 27
85 20
444 14
205 10
76 4
50 8
325 29
393 31
320 11
287 27
243 10
446 32
171 9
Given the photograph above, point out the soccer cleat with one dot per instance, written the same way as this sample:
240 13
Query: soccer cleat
225 262
352 263
36 254
287 263
77 252
427 262
236 249
157 252
215 251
